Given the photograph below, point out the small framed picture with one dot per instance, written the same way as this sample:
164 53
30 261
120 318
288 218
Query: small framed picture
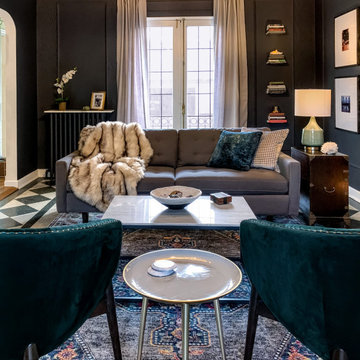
347 103
98 100
347 39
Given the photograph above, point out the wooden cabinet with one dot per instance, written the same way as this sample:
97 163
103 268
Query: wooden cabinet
324 186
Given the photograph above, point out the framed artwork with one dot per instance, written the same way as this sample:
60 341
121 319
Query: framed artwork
347 39
347 103
98 100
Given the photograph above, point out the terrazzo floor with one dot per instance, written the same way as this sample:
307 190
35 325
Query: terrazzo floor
35 206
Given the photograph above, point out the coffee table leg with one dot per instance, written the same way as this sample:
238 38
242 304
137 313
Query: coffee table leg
185 314
144 305
219 327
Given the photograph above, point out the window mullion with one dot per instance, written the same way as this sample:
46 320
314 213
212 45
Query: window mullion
177 80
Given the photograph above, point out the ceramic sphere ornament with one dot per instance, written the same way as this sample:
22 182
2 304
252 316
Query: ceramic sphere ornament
329 148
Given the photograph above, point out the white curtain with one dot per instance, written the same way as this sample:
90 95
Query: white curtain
231 77
132 62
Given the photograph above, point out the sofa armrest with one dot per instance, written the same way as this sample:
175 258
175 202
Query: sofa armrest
62 170
291 170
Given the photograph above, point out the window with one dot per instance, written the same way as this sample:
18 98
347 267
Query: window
181 73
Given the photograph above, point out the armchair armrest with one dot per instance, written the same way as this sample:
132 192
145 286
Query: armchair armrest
62 170
291 170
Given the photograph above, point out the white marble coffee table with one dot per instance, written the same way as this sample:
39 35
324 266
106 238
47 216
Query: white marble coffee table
142 211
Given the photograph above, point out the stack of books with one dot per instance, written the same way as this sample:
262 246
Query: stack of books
275 29
276 88
276 57
276 117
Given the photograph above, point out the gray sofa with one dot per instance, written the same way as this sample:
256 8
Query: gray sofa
180 158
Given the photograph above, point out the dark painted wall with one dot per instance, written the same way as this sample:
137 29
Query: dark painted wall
299 46
348 142
179 8
24 15
70 33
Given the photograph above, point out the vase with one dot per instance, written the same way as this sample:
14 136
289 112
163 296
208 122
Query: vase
62 106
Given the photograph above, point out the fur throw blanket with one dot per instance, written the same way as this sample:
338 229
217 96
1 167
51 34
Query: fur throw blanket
112 159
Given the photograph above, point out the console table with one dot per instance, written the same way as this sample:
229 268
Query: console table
324 186
65 127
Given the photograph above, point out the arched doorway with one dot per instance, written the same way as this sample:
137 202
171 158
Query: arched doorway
9 96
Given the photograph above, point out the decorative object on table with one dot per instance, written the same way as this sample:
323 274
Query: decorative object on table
235 150
162 268
276 117
276 57
98 100
220 198
347 39
175 197
312 102
275 27
324 187
329 148
346 103
86 108
60 83
276 88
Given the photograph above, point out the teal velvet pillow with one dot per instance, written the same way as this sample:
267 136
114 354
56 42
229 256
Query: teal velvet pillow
235 150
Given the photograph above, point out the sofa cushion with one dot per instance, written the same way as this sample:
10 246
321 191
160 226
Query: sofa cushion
269 149
164 143
254 181
235 150
196 145
155 177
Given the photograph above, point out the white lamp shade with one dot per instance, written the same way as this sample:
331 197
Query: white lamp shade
313 102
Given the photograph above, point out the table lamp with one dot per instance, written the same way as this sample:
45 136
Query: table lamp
312 102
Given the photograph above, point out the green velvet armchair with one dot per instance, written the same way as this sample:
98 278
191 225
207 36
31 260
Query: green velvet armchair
51 281
309 279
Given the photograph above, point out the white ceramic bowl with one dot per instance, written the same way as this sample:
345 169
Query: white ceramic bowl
162 195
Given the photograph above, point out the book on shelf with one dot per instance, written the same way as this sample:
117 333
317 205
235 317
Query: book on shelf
276 116
275 29
281 121
276 57
277 89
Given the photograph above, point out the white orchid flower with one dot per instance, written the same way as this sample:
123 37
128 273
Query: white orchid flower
65 78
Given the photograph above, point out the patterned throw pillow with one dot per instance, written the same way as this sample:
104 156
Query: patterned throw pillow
235 150
269 149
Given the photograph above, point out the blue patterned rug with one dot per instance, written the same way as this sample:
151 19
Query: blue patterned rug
163 331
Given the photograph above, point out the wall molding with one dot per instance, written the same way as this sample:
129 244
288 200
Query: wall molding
354 194
11 98
39 173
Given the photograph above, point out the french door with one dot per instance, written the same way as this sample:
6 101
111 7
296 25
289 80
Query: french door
181 73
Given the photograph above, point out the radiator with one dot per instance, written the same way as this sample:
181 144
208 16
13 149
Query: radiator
65 127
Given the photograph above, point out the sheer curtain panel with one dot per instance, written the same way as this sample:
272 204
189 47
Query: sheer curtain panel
132 62
231 77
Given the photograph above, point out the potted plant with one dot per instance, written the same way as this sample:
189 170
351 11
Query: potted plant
61 100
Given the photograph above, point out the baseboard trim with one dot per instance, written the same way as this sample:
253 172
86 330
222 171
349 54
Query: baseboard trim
26 179
354 194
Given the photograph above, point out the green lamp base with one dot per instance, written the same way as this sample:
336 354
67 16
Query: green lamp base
312 136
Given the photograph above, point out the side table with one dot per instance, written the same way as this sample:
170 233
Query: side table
324 186
200 276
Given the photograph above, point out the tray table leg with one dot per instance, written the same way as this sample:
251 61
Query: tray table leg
219 327
144 306
185 314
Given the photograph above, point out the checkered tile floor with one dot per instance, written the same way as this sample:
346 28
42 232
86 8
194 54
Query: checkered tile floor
35 206
31 206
